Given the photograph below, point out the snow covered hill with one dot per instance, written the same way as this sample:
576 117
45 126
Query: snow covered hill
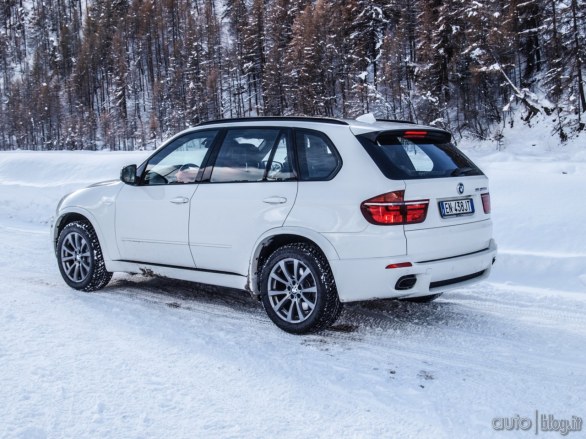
153 358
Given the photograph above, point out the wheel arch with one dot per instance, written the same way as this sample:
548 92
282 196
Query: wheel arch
77 214
276 238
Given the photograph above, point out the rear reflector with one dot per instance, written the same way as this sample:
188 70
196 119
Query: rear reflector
486 202
391 209
400 265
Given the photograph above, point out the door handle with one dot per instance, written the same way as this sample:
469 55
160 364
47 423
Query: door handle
179 200
275 200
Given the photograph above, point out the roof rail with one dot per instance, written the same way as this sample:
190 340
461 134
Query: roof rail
276 119
397 121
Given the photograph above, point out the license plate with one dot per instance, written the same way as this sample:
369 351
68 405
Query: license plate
456 207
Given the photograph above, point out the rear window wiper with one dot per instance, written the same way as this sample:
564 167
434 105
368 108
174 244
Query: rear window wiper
462 171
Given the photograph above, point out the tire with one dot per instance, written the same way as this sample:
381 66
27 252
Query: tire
298 290
423 299
80 258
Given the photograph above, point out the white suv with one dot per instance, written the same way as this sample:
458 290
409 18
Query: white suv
304 213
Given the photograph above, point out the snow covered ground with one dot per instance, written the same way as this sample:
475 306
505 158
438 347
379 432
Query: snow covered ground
154 358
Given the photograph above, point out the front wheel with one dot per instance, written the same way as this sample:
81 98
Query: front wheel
80 258
298 289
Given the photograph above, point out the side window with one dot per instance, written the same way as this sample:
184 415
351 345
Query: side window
252 154
180 161
318 160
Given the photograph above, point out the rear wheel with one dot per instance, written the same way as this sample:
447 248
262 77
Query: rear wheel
298 289
80 258
423 299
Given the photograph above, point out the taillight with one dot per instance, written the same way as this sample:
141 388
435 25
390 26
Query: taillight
392 209
486 202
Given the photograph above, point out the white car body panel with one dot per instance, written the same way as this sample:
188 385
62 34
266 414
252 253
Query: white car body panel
331 206
227 219
367 278
152 224
97 203
432 244
442 189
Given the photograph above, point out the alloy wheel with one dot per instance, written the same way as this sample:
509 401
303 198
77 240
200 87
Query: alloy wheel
292 290
76 257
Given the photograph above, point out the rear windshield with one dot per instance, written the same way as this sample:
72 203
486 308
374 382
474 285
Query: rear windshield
403 157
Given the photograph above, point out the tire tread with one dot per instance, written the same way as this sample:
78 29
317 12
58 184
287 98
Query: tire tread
332 306
100 276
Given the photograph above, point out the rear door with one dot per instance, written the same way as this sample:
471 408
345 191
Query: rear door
250 190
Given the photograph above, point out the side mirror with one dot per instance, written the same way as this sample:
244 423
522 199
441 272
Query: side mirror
128 174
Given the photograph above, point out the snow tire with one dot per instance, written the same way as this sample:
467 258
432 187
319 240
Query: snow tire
314 313
80 257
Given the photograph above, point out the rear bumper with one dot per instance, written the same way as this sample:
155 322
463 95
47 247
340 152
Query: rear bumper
368 279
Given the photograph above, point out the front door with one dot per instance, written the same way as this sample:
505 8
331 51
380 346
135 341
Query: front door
152 218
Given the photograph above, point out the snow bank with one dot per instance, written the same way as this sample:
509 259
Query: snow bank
32 183
537 205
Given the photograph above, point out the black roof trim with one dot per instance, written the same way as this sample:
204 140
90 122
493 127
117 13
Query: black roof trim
397 121
276 119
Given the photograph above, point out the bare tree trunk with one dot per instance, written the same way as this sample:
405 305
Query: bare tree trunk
578 49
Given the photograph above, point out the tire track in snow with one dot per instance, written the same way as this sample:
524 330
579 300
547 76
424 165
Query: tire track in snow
402 329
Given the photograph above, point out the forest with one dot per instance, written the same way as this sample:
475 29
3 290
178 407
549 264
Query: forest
125 74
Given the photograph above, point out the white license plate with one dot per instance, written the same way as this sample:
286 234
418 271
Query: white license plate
456 207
